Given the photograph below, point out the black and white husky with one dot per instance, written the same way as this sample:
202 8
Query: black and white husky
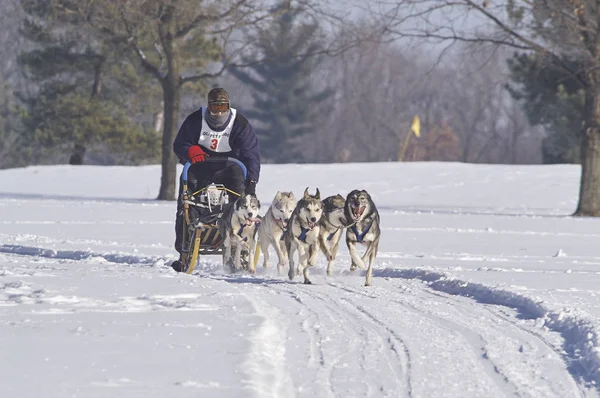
238 228
273 226
303 234
332 225
365 229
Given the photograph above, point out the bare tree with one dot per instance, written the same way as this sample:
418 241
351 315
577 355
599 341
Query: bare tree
379 89
551 28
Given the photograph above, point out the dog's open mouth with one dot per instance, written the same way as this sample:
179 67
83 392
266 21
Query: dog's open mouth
311 225
250 221
358 211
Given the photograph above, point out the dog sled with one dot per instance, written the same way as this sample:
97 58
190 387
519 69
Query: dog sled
203 208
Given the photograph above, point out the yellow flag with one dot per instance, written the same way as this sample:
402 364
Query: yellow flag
416 126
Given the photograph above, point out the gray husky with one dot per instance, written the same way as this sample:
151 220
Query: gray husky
303 233
365 229
238 228
273 226
332 225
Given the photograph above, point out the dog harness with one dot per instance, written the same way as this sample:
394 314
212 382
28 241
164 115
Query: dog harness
303 232
217 141
334 232
360 237
244 226
279 223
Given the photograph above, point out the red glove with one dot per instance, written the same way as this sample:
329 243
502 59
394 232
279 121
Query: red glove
196 154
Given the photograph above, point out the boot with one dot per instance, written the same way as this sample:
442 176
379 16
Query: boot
177 265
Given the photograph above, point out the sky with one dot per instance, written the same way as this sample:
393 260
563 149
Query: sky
484 286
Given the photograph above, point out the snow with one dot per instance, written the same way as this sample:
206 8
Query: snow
484 286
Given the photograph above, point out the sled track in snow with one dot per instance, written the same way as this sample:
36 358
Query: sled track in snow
78 255
581 338
370 346
580 352
463 321
476 340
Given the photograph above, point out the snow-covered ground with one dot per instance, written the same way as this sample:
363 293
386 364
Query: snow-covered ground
484 287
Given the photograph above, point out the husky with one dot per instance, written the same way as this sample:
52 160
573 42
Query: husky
238 228
332 225
303 234
365 229
273 226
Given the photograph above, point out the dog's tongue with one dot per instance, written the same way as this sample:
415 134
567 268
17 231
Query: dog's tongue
358 211
311 225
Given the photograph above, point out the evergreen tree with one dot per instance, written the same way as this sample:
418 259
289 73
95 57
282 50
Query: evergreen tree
84 92
554 99
285 103
13 151
174 42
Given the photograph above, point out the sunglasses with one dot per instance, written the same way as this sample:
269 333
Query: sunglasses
216 107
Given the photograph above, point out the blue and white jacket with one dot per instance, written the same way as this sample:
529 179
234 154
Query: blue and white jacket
236 139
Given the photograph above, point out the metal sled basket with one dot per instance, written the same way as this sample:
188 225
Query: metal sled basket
202 212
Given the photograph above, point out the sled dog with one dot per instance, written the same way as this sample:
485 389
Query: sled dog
273 226
332 225
238 228
365 229
303 234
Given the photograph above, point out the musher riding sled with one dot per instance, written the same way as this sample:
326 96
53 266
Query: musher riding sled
221 157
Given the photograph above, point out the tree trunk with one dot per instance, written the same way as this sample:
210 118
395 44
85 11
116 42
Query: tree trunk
77 155
97 86
171 97
79 148
171 87
159 119
589 191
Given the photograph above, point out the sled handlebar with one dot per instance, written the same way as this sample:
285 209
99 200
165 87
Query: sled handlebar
186 167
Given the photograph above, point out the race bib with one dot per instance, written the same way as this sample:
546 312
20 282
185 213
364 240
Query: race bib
216 141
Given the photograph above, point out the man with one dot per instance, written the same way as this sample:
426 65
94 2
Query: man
217 130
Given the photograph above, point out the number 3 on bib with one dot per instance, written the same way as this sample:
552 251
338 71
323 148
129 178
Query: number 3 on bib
213 144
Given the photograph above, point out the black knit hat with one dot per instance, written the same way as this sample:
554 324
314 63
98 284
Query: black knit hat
218 94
